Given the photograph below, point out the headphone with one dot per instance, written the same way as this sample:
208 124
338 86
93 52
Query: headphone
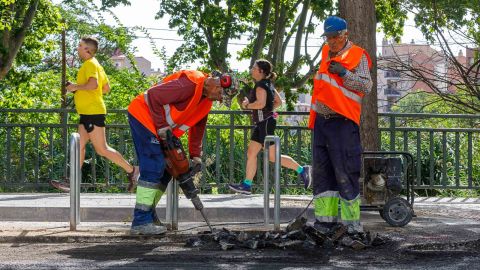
225 79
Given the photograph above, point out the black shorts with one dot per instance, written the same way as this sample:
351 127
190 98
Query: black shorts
89 121
263 129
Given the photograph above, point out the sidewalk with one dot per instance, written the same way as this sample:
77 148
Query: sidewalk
94 207
106 207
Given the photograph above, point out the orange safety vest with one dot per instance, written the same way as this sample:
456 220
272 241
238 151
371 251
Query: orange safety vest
329 89
179 120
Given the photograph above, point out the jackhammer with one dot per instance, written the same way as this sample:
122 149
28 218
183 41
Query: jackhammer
183 171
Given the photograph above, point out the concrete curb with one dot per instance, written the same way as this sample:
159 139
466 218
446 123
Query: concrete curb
121 214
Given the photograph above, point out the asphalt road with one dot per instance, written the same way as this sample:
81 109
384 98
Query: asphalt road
155 254
439 238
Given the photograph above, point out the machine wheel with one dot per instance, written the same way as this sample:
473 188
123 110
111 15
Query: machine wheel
397 212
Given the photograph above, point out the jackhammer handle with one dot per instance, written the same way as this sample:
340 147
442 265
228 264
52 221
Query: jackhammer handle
196 168
169 135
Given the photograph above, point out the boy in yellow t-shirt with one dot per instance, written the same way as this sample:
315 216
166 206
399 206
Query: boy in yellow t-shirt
92 83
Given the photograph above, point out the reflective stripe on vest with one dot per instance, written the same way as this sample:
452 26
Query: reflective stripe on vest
168 116
329 89
344 90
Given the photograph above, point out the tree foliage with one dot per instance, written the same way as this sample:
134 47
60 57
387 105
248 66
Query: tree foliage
30 29
79 18
392 17
207 26
273 32
25 26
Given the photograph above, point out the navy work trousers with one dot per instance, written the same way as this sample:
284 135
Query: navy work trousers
336 156
152 171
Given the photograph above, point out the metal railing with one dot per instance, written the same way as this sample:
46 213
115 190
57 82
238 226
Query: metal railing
33 148
453 158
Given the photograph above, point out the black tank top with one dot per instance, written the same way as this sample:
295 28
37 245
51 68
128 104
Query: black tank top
267 111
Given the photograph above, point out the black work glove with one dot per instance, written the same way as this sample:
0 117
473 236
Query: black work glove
162 132
337 68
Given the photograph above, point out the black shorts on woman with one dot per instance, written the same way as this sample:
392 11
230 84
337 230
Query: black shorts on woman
263 120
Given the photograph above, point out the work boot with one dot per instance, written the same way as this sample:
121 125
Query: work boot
148 229
325 228
354 229
62 186
133 179
241 188
306 176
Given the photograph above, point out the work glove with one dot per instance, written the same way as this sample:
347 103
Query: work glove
196 160
162 132
337 68
196 165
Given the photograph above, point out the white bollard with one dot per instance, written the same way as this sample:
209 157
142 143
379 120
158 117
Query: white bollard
266 192
75 179
172 205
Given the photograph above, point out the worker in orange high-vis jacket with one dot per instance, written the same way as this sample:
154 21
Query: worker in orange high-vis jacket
180 103
342 80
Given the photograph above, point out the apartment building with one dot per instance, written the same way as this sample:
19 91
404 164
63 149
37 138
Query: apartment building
393 84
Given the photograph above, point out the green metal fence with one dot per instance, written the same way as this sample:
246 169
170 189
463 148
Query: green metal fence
446 147
33 147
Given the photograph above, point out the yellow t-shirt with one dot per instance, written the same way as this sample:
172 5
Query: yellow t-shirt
91 101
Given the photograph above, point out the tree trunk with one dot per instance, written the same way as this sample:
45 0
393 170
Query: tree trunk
262 30
298 39
276 24
361 21
13 44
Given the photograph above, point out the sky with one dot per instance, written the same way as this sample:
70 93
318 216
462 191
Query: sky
142 13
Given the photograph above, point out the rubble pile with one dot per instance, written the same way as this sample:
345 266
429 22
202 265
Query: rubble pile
298 234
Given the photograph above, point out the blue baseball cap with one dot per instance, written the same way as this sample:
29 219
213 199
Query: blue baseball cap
333 25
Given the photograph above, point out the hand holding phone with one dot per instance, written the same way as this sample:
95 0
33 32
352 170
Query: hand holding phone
69 87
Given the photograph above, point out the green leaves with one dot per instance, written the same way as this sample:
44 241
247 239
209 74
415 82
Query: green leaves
392 15
207 27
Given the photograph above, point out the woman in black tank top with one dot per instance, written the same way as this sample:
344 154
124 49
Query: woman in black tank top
262 100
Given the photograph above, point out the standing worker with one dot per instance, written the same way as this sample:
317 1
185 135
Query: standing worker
342 80
180 103
92 83
263 100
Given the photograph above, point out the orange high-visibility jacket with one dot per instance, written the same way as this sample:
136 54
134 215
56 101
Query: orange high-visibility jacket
179 120
329 89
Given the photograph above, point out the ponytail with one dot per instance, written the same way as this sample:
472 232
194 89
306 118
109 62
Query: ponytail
272 76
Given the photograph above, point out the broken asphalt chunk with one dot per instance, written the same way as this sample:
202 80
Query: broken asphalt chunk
194 242
314 234
226 245
296 224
